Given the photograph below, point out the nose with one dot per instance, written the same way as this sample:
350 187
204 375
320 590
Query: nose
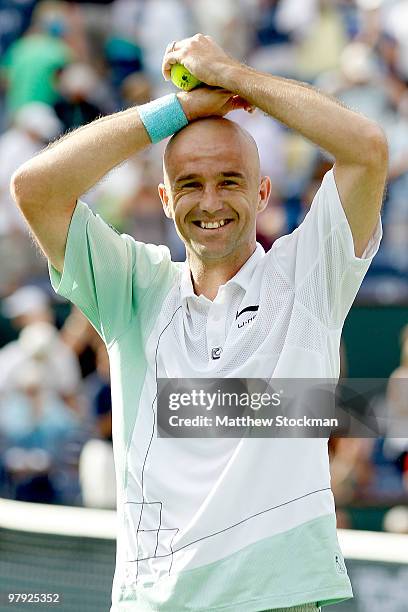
210 201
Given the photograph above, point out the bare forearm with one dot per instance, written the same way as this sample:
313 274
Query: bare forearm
318 117
73 164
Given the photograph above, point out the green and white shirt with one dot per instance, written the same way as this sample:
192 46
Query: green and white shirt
235 525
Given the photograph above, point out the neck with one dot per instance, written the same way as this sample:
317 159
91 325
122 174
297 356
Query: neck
208 275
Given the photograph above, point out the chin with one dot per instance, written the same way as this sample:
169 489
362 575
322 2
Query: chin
212 251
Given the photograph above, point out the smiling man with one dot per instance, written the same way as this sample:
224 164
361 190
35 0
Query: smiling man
213 190
238 525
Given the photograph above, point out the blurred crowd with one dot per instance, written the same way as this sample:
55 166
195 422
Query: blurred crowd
64 64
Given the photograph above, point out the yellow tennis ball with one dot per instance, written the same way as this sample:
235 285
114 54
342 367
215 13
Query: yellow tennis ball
182 78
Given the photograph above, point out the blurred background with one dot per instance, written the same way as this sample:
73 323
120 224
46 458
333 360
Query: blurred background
62 65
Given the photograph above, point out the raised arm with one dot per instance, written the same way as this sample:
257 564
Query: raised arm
357 144
47 187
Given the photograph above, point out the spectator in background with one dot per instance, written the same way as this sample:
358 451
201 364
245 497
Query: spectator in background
124 58
273 47
322 41
396 448
397 390
91 24
225 21
96 466
32 62
394 19
396 212
358 82
78 85
27 305
298 23
38 343
268 29
157 19
351 473
82 339
136 89
375 470
36 424
125 19
34 125
42 420
15 17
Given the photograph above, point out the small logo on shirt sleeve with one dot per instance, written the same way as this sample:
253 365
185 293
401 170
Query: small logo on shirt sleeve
340 567
216 352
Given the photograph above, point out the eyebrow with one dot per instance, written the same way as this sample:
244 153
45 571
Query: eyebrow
191 177
237 175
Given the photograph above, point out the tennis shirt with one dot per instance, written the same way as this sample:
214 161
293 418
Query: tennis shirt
228 524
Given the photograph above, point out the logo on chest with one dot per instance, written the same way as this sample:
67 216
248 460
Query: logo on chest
253 309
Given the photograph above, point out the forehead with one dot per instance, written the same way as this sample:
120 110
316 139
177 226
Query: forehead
210 148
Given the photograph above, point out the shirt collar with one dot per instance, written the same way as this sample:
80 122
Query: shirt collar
241 278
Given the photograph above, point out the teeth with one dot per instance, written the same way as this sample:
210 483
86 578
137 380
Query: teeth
213 225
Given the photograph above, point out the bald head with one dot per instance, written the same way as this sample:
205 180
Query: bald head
212 174
211 135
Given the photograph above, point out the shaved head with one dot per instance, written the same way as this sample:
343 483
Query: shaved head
215 129
212 178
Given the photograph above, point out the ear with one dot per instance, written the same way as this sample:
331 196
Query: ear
164 200
265 187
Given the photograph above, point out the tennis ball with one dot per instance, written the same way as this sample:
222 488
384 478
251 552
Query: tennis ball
182 78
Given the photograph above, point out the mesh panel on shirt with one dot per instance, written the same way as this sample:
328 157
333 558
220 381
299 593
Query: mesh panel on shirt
195 320
304 331
319 292
269 328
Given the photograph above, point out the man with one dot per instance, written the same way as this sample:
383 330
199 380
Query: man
215 524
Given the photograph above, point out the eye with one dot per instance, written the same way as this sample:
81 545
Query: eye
192 185
229 182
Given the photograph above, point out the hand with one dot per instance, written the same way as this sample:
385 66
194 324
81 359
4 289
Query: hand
206 102
201 56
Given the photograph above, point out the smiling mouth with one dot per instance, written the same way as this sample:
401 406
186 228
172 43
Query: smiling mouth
212 225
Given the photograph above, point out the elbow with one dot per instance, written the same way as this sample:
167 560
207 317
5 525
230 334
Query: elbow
376 148
22 188
18 186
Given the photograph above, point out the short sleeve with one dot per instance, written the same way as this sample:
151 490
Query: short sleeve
108 275
319 257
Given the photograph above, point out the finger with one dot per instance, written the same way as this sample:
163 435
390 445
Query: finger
237 103
168 61
171 46
171 57
242 103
